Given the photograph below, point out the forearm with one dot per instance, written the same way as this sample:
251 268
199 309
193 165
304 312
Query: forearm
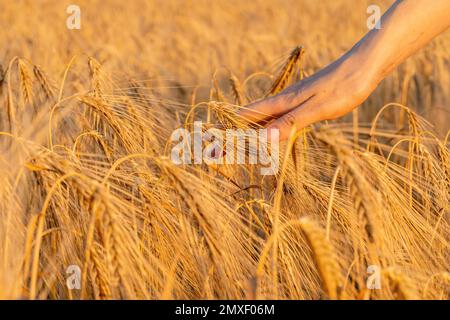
405 28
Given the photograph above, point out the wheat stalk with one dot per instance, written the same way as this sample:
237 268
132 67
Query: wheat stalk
287 71
236 88
44 82
323 256
26 82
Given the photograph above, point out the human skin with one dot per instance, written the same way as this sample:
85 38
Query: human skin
343 85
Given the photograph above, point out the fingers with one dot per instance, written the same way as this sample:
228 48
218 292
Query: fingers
301 117
262 110
273 107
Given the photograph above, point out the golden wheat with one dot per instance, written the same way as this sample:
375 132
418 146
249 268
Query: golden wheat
87 178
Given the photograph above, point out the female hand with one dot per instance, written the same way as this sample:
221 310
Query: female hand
328 94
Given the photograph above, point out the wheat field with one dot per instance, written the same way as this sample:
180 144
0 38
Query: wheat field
87 180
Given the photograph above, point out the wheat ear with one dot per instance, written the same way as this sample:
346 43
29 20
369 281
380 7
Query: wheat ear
44 82
26 83
287 71
324 257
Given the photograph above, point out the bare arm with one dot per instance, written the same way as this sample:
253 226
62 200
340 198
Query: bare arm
337 89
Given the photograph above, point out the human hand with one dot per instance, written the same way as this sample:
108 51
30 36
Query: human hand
328 94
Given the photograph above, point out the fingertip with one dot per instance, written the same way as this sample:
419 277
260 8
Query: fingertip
251 112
